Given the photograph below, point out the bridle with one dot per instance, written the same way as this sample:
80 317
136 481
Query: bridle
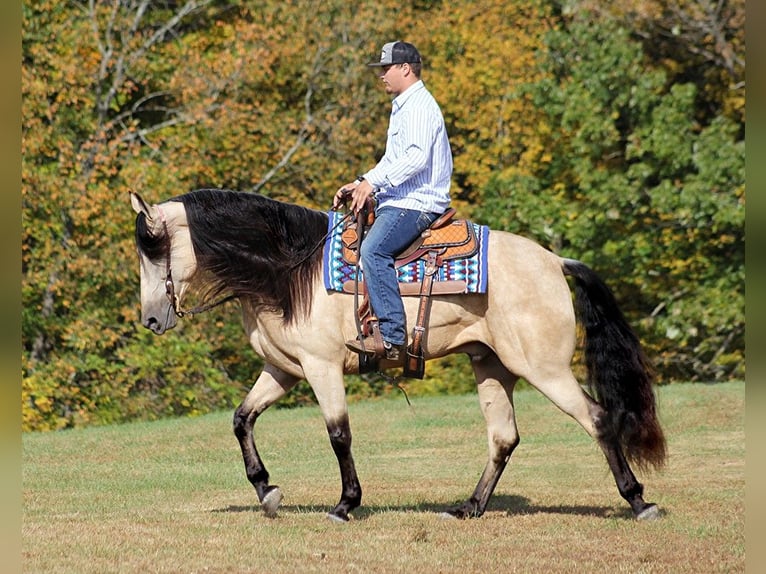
170 288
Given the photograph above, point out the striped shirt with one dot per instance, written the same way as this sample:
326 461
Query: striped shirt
415 171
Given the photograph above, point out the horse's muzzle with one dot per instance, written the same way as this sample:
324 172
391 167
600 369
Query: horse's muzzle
158 323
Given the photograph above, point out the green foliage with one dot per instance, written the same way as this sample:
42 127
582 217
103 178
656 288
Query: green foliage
596 133
640 190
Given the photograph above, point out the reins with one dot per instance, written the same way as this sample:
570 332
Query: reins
360 235
361 220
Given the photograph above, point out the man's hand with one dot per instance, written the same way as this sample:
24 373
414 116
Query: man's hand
358 191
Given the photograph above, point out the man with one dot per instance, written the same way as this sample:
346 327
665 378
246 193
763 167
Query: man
411 184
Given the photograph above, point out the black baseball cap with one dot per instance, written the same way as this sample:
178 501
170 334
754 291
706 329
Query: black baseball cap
397 53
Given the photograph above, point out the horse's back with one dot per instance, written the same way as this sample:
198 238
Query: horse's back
522 268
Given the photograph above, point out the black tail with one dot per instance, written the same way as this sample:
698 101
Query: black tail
620 375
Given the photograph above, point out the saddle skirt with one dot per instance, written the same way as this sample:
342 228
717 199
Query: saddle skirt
460 247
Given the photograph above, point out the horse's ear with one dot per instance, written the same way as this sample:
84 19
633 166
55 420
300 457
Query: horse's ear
139 205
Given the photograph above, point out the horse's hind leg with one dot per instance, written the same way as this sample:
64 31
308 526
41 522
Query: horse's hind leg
567 394
495 388
272 384
627 484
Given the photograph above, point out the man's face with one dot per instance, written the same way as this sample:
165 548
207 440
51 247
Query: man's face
395 78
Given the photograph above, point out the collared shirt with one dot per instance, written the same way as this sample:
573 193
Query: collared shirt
415 171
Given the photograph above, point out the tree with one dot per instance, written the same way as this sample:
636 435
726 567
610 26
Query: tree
638 187
86 83
613 135
164 97
476 55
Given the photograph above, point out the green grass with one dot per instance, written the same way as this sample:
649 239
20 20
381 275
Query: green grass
172 496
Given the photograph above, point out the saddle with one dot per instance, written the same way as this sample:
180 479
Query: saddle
446 239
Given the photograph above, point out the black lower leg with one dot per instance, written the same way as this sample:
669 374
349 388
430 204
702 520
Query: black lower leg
627 484
256 473
351 495
476 505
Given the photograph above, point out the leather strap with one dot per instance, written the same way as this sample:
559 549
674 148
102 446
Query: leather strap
414 364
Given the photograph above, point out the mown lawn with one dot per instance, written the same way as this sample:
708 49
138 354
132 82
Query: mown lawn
171 496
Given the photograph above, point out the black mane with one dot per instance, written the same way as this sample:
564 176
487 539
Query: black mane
256 248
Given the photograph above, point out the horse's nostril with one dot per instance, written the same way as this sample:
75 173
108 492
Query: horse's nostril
153 324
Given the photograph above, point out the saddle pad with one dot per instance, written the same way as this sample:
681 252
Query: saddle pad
472 270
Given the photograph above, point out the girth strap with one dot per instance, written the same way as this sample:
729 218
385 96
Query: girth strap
415 362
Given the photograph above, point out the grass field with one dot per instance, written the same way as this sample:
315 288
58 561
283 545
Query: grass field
172 496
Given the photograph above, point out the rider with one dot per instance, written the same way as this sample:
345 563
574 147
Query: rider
411 184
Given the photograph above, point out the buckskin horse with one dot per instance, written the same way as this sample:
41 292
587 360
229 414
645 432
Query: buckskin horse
263 253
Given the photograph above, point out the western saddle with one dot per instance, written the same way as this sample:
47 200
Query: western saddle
446 239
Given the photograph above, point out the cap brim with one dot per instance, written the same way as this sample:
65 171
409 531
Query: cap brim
377 64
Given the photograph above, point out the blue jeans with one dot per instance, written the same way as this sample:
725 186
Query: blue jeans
393 230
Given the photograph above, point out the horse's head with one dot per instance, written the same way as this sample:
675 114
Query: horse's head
166 258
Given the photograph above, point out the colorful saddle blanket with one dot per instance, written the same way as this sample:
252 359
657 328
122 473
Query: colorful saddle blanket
472 270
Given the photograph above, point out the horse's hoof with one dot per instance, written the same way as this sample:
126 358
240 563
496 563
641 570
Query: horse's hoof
651 512
447 516
336 518
271 501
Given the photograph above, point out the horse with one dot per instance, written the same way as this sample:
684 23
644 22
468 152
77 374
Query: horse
263 253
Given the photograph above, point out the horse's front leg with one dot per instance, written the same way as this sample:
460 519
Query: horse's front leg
271 385
331 395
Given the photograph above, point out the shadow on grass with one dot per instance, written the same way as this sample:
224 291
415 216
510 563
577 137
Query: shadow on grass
511 505
518 505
